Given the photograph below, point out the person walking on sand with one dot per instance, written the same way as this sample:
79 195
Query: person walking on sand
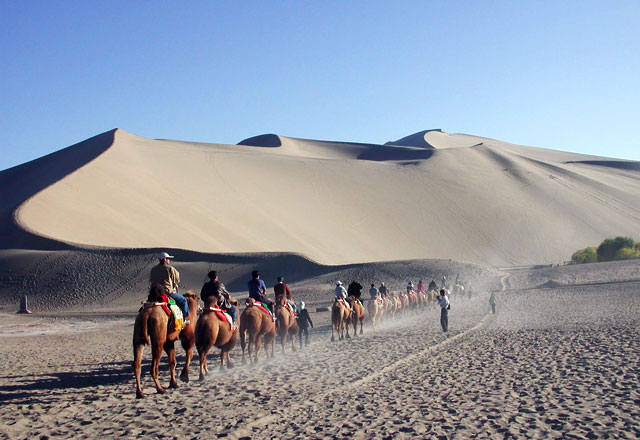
492 302
304 321
443 301
168 277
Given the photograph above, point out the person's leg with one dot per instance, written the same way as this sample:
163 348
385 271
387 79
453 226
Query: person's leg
233 313
181 301
306 336
442 318
446 320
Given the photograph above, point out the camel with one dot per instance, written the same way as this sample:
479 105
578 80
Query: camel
375 309
404 304
357 315
432 297
413 301
258 325
212 331
340 315
286 324
151 326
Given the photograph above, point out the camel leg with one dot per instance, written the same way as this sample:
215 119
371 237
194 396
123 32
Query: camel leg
256 346
361 324
202 355
137 364
184 376
243 340
171 353
229 362
155 363
293 341
333 338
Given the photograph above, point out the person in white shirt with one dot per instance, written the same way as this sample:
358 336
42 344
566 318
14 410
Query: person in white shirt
443 301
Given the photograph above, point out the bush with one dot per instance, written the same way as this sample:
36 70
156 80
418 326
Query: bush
587 255
627 253
609 248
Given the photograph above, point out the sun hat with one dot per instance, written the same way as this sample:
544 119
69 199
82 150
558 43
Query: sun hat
338 283
164 255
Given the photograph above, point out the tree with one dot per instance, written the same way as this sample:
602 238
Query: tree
609 248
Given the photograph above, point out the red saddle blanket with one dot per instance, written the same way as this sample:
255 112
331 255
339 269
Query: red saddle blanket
222 315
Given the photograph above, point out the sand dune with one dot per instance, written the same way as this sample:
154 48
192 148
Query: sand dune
465 198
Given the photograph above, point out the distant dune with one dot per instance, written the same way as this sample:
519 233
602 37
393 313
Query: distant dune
428 195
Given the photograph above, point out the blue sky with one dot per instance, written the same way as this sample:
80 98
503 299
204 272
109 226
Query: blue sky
561 75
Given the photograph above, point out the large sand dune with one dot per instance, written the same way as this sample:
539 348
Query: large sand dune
444 196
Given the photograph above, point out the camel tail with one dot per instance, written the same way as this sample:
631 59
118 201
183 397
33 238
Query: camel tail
140 332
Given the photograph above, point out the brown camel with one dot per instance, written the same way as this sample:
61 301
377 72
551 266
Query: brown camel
375 308
404 304
357 315
286 324
340 315
258 325
152 323
212 331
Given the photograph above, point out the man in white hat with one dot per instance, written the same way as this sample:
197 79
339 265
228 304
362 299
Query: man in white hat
168 277
341 292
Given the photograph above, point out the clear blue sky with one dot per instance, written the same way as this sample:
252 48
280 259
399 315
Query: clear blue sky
562 75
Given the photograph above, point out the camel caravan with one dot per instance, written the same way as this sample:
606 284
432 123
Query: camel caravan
166 317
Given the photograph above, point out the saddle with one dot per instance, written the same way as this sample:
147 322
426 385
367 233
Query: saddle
260 305
287 306
222 316
169 306
344 302
379 301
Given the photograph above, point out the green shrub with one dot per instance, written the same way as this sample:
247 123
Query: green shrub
627 253
609 248
587 255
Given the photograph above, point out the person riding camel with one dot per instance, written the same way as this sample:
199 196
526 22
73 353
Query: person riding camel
168 277
355 290
281 290
409 286
341 293
420 287
258 291
383 290
215 289
432 285
374 292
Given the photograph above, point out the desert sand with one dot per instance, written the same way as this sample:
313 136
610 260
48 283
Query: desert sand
552 363
81 228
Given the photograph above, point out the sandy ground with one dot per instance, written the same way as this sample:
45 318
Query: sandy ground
552 363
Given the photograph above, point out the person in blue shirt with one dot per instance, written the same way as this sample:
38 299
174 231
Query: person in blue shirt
258 290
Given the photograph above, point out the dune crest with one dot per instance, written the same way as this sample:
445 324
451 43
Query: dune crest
334 202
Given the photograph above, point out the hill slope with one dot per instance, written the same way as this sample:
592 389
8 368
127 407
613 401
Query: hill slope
463 197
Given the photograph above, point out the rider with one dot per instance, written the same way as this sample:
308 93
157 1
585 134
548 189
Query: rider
409 286
258 291
355 290
374 292
215 289
383 290
420 287
341 292
168 277
432 285
282 290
